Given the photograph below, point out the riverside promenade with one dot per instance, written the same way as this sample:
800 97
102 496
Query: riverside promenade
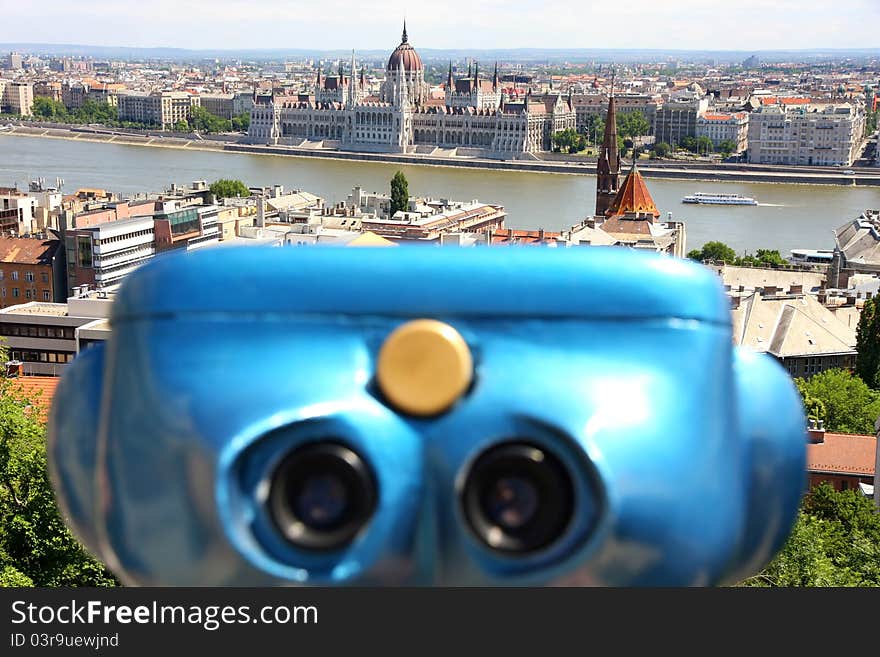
721 172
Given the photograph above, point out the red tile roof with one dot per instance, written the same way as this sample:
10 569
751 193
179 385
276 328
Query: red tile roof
39 390
633 197
510 236
842 453
27 250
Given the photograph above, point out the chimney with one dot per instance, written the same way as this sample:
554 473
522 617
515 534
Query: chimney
816 432
261 211
850 300
822 297
769 290
734 302
14 368
796 289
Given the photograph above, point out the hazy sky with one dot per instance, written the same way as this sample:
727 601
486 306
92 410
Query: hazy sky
466 24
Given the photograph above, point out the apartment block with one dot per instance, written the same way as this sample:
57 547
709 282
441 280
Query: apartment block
161 108
677 119
806 134
31 270
43 338
721 127
18 211
589 105
100 256
16 97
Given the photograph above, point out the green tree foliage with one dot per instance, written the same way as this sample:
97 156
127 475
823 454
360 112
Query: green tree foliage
91 111
871 121
201 120
568 141
815 408
227 188
399 193
705 145
763 258
242 122
632 124
36 547
688 144
726 147
48 109
661 150
868 344
850 405
835 542
714 252
181 126
595 129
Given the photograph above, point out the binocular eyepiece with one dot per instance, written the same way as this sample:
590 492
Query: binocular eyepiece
517 497
322 495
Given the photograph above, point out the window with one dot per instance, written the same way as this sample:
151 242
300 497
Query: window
27 294
15 275
2 274
15 292
46 295
44 277
29 276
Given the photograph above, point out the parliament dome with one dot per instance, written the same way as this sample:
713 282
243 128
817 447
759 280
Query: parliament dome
405 55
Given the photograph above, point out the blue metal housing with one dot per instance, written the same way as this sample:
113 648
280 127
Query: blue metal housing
687 455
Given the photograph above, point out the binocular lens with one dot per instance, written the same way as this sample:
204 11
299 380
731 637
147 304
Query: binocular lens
321 496
518 497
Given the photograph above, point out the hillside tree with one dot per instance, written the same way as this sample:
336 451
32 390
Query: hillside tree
399 193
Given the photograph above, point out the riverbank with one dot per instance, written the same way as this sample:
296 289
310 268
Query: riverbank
665 170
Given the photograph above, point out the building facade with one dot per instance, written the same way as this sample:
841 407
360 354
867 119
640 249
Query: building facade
100 256
163 109
16 97
806 134
677 119
721 127
31 270
474 116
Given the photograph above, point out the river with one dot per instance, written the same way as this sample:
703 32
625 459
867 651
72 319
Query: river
789 216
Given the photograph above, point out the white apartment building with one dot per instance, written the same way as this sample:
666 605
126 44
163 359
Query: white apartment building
721 127
17 211
102 255
160 108
810 134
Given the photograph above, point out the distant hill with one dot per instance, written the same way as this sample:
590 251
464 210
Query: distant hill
507 55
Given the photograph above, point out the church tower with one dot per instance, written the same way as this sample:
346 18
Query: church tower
608 168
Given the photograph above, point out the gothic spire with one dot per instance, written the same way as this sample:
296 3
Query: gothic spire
495 78
608 167
449 77
404 38
476 72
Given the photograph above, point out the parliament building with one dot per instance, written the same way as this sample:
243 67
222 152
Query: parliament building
476 117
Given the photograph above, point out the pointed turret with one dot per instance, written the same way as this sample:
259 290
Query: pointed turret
449 77
352 97
403 38
476 73
608 167
634 199
404 96
470 71
495 78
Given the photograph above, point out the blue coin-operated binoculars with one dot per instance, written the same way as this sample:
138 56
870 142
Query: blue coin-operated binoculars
500 416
